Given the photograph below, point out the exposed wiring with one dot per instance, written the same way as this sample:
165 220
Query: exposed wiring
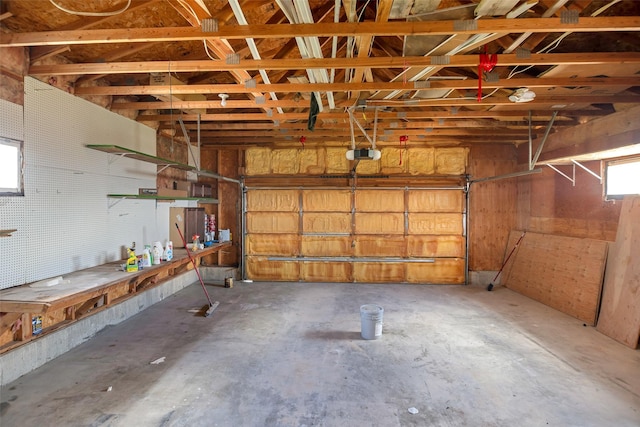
79 13
206 49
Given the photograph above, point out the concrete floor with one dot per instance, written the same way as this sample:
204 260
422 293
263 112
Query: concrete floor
290 354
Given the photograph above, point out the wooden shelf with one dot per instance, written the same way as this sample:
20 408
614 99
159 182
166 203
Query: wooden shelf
161 198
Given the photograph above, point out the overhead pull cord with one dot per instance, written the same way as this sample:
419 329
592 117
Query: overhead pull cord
403 138
486 64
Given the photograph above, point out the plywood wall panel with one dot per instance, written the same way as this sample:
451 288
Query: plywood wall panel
443 271
620 311
436 201
273 200
451 161
326 246
379 200
259 268
562 272
380 246
258 161
492 204
326 222
272 222
273 244
326 271
381 272
379 223
435 223
421 161
326 200
435 246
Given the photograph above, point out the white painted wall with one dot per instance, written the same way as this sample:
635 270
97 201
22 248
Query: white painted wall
65 221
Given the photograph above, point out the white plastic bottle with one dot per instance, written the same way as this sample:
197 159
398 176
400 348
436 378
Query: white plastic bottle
146 257
168 251
157 253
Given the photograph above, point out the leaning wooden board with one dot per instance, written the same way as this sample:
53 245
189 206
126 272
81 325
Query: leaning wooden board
620 312
565 273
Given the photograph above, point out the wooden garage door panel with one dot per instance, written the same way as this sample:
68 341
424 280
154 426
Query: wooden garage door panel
379 223
272 222
326 271
435 246
436 201
272 200
260 268
435 223
371 272
380 246
314 246
380 200
442 271
273 244
326 200
325 222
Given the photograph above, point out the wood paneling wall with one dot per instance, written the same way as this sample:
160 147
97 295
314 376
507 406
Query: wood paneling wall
548 203
492 205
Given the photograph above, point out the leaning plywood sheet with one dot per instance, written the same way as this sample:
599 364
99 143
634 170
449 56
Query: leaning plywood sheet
620 309
562 272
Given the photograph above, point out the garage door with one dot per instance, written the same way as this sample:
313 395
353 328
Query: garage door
386 235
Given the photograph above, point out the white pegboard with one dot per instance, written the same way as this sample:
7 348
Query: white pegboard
65 220
13 250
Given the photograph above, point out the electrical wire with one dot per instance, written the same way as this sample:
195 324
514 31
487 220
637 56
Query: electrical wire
79 13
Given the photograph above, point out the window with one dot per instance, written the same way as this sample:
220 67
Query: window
10 167
622 177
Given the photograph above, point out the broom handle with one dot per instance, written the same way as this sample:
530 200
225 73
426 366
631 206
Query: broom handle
508 256
195 267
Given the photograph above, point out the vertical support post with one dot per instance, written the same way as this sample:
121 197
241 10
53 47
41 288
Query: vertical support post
465 230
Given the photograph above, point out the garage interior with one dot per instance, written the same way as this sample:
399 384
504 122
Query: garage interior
453 162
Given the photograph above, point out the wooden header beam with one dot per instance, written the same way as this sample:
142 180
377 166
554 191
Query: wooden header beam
468 84
340 29
445 102
592 58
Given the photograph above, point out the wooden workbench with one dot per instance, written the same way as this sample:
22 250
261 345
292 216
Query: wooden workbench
80 294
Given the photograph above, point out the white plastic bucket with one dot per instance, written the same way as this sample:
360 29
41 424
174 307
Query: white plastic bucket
371 320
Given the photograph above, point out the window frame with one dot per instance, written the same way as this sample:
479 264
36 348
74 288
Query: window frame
19 190
614 162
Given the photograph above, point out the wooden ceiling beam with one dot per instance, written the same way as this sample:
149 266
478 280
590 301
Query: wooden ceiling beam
388 124
506 115
446 102
325 29
592 58
322 87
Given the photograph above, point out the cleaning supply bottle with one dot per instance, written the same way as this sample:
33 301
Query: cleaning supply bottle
146 256
168 251
157 252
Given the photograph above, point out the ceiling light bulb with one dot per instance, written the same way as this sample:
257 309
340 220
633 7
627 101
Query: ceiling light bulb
223 99
522 95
